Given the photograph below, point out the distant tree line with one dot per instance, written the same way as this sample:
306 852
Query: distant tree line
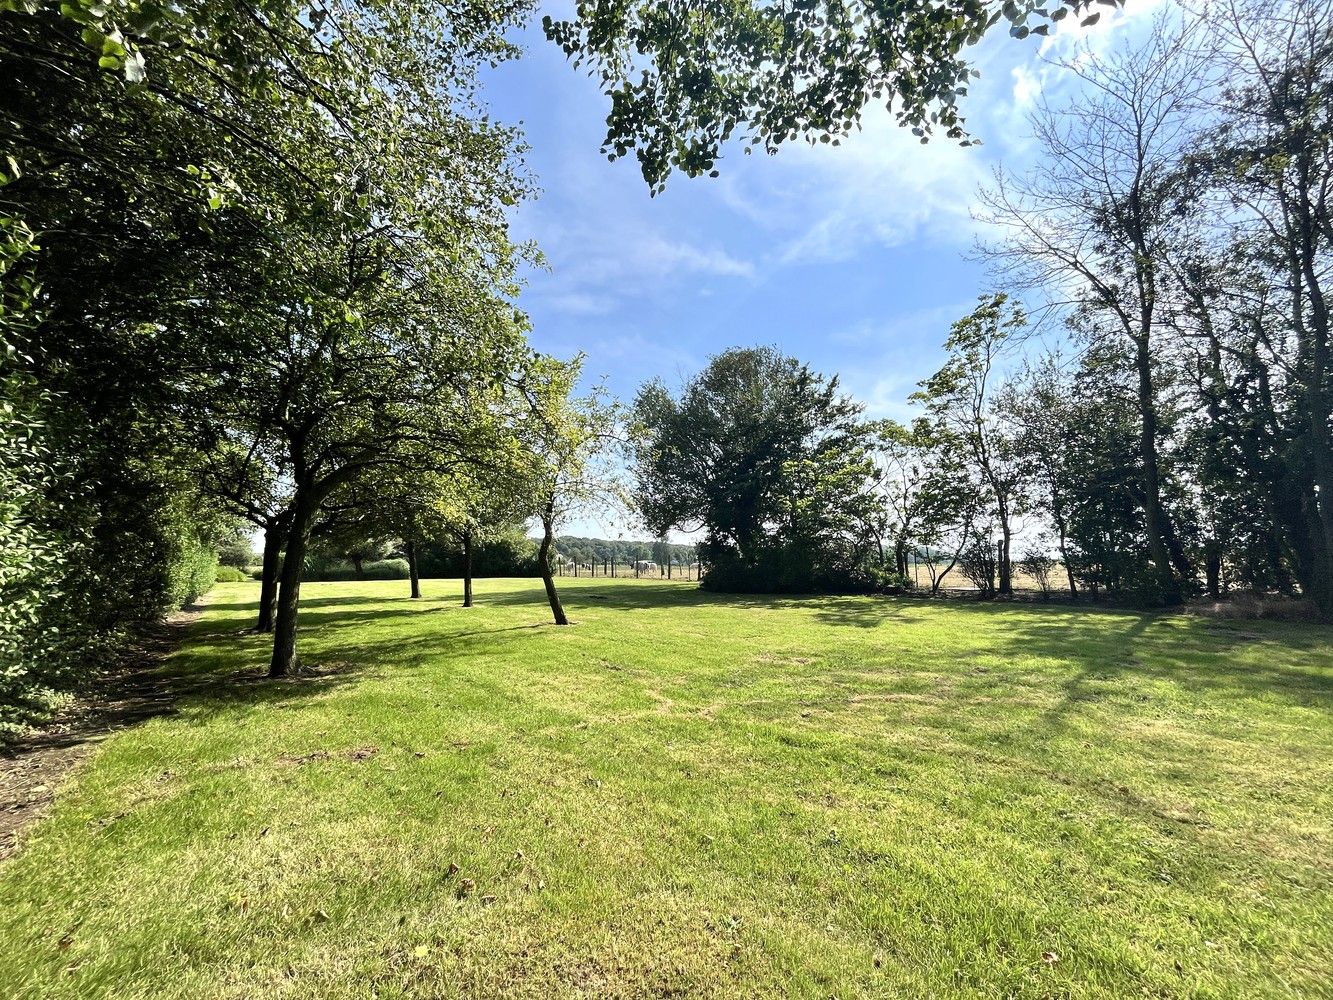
623 552
1177 234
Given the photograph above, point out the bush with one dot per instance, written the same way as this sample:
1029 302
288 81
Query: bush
339 569
1037 564
880 579
798 569
979 564
191 571
229 574
235 551
509 554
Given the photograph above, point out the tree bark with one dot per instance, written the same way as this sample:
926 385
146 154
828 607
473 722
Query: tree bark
1213 567
1154 516
1064 558
274 539
289 591
467 569
1005 567
410 547
544 562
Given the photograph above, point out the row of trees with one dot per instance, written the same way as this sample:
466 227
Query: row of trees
1176 236
623 552
256 269
1178 239
1182 226
254 263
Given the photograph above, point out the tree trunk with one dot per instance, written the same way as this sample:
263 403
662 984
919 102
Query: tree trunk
1153 515
356 564
1005 567
289 592
274 539
410 546
1064 558
1213 567
467 569
544 562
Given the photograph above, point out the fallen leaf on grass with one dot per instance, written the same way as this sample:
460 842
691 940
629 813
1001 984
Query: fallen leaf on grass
1050 957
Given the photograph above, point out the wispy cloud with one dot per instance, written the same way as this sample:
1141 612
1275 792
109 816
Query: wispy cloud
593 265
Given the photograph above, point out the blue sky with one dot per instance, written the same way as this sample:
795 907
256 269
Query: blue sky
853 258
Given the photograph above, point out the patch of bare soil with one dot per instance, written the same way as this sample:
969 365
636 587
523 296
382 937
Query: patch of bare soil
34 768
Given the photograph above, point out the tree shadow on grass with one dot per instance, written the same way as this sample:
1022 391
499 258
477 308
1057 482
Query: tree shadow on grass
862 611
1100 645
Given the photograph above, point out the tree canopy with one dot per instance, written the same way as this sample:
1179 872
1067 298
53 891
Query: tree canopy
685 77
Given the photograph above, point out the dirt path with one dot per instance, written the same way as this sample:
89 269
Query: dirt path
32 771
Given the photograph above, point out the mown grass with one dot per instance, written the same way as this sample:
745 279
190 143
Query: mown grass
689 795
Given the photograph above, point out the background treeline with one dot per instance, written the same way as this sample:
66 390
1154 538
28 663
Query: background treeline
604 551
1173 434
499 552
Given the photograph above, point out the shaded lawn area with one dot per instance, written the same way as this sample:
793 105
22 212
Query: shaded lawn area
692 795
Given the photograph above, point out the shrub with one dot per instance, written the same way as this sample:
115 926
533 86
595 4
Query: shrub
1038 565
510 553
979 564
229 574
191 571
881 579
339 569
798 569
236 551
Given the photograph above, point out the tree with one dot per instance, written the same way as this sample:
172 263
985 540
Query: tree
1102 216
481 502
221 189
961 398
766 457
932 499
565 446
1041 410
1270 158
685 77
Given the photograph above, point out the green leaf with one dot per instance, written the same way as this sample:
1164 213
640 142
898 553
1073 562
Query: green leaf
134 67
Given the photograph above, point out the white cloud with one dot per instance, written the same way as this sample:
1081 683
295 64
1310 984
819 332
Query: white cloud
594 263
574 303
882 186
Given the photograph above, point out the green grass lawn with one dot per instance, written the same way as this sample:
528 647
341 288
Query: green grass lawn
691 795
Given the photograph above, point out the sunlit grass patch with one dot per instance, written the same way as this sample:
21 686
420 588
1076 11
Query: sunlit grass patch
696 795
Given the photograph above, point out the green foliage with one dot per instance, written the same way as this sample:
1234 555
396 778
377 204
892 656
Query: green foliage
192 570
234 202
340 569
236 550
683 79
229 574
503 553
766 457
